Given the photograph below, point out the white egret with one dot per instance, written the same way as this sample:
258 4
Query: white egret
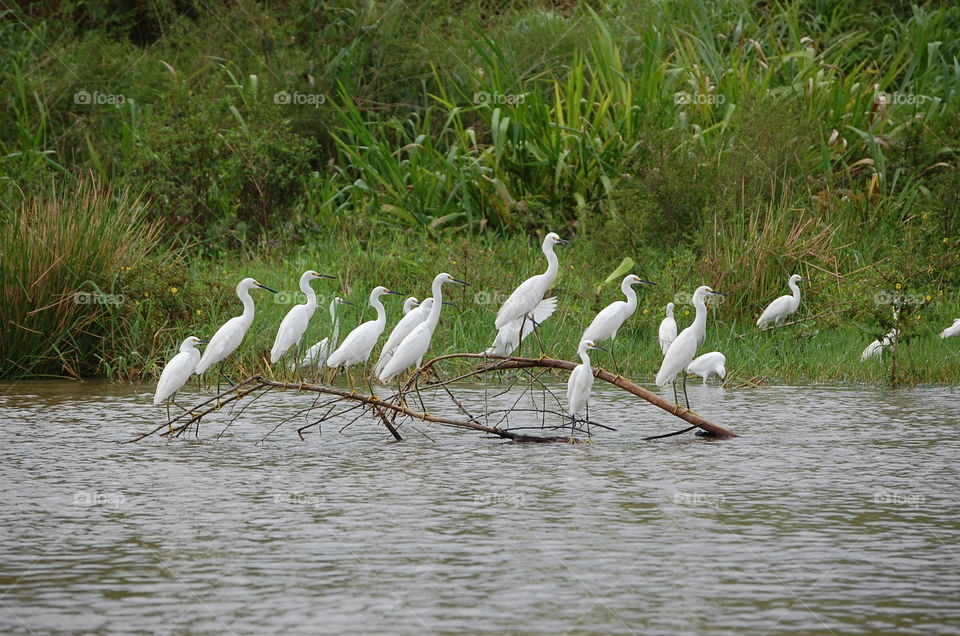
579 386
713 363
231 333
952 330
875 348
606 323
410 351
176 373
358 344
410 304
316 356
506 341
668 330
684 349
777 311
416 316
294 324
525 298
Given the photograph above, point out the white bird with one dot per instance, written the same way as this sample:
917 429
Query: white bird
525 298
178 371
668 330
875 348
777 311
580 384
684 349
358 344
316 356
713 363
506 341
410 304
606 323
294 324
413 318
231 333
952 330
410 351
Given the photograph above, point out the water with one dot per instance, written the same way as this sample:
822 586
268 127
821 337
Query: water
835 512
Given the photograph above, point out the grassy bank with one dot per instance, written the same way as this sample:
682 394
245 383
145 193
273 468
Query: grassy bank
731 142
824 348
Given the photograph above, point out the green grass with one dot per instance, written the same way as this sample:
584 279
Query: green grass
822 350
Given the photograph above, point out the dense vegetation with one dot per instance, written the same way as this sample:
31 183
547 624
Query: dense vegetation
153 155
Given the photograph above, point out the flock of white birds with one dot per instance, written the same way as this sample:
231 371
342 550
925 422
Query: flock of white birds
523 311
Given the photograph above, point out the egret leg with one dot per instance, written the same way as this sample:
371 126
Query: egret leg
676 398
225 377
685 399
587 409
169 427
523 322
536 332
616 367
573 420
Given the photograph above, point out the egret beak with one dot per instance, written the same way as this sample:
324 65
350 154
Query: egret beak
717 293
326 276
460 282
345 302
596 346
267 288
390 291
563 241
805 280
447 302
203 342
645 282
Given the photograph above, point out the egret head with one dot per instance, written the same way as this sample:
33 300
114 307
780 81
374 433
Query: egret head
380 290
797 278
552 239
311 274
340 301
447 278
588 344
249 283
190 343
632 279
670 309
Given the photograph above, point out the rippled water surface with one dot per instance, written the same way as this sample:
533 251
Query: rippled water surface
835 512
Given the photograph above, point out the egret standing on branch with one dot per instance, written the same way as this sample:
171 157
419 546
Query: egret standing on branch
413 318
684 349
316 356
359 343
294 324
777 311
506 341
178 371
579 386
231 333
410 351
525 298
606 323
668 330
